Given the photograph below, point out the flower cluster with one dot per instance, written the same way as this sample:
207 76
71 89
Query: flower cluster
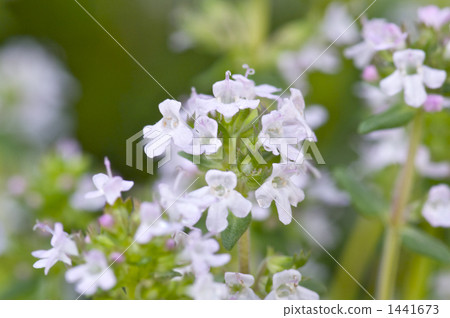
385 42
248 156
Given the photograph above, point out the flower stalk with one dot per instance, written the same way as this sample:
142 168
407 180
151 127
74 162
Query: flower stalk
244 252
392 242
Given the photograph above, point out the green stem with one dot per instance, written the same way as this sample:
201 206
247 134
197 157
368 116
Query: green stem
418 274
392 242
244 252
261 269
358 253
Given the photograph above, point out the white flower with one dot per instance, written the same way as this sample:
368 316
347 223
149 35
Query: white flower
374 97
62 247
280 188
178 172
258 213
412 77
152 223
441 285
294 121
199 251
92 275
205 137
250 90
388 147
220 197
437 208
181 208
433 16
428 168
325 190
286 287
284 129
312 57
108 186
229 97
34 88
199 104
316 116
239 286
78 200
170 128
337 25
205 288
378 35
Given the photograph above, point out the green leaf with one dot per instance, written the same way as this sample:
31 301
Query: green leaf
396 116
367 202
236 228
422 243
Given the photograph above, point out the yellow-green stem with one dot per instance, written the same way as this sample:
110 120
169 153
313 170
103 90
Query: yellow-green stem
244 252
402 192
357 255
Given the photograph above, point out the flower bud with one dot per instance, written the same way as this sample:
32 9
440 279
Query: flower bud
106 221
170 244
370 74
116 257
434 103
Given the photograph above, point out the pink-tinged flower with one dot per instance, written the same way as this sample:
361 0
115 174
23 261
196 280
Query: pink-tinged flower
239 286
434 103
229 97
433 16
250 90
280 188
437 208
152 223
205 288
378 35
62 248
220 197
199 253
370 74
412 76
117 257
109 186
170 128
17 185
92 275
286 287
106 221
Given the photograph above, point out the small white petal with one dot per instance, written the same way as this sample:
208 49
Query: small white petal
216 221
238 205
415 93
393 84
433 78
